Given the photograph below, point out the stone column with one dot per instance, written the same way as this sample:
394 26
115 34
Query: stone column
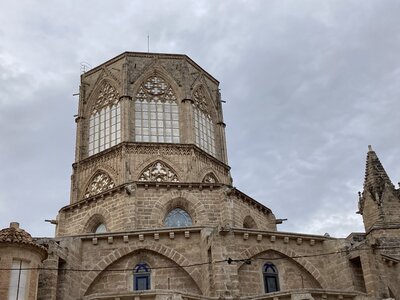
187 133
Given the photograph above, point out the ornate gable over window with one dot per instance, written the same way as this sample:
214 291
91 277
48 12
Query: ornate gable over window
108 95
159 172
157 89
199 99
100 183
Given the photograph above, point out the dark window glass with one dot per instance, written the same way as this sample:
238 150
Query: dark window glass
271 280
141 277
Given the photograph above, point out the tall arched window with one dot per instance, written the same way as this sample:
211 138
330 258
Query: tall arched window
141 277
18 287
271 280
156 112
178 218
203 124
105 120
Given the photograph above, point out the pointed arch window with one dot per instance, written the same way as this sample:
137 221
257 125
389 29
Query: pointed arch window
271 280
105 120
203 124
141 277
178 218
156 112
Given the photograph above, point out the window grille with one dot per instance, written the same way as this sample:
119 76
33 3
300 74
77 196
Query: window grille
156 112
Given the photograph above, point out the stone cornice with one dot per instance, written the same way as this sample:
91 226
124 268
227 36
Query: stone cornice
150 55
126 187
138 232
383 227
134 145
234 191
280 234
303 293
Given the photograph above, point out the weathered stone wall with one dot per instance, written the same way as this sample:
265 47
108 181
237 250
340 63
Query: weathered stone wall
146 207
291 275
165 274
126 164
60 277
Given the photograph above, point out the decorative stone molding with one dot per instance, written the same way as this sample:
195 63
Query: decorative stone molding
175 149
199 99
99 159
155 88
108 95
159 172
100 183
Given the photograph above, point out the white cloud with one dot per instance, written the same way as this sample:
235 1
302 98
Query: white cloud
308 85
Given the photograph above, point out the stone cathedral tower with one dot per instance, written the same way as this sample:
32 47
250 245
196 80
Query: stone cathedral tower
150 149
153 214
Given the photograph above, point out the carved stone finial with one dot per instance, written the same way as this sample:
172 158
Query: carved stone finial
370 148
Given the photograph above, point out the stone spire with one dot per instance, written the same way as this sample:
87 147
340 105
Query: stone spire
376 177
379 202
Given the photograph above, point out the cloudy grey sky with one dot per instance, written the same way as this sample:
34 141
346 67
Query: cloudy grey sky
308 85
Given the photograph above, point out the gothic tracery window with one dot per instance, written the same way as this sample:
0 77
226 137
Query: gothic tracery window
271 280
100 183
105 120
178 218
156 112
203 124
159 172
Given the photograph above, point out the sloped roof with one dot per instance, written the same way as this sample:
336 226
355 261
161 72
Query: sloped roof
16 235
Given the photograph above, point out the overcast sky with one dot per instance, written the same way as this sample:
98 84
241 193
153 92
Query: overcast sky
307 84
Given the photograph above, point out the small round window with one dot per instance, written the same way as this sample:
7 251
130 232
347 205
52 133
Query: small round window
178 218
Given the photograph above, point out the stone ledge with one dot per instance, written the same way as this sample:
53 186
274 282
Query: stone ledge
273 235
153 234
176 295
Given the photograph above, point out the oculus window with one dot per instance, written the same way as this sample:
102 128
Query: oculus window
156 112
141 277
178 218
271 280
105 120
